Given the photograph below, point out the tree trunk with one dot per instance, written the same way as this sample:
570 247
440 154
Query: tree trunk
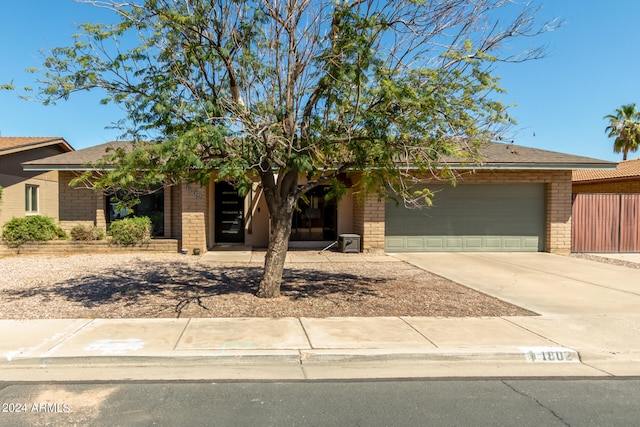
276 254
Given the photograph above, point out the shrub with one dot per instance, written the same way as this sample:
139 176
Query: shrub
84 233
36 228
130 231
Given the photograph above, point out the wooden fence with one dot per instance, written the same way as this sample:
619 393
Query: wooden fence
605 223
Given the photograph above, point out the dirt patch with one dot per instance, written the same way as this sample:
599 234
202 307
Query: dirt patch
169 286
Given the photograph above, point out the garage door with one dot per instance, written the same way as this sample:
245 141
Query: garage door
482 217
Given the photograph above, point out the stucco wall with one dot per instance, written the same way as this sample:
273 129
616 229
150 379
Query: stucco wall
13 181
13 196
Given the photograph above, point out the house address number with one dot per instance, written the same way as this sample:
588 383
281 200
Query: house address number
550 354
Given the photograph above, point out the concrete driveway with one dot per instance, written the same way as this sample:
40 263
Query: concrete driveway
541 282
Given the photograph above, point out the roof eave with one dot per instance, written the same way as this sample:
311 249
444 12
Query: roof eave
532 166
39 144
43 168
456 166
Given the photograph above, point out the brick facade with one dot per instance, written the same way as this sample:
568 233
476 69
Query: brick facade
368 222
188 217
625 187
194 220
185 211
79 205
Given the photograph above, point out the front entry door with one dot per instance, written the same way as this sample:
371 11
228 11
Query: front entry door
229 214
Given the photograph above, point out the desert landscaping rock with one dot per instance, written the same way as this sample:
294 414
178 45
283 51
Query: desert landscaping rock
144 285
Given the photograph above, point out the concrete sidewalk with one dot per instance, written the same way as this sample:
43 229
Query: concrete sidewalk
303 348
590 326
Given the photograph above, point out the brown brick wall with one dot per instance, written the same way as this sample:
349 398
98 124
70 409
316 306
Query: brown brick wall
168 214
176 212
194 217
632 186
102 246
368 222
558 237
79 205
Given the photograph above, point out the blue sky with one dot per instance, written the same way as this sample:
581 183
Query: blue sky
592 68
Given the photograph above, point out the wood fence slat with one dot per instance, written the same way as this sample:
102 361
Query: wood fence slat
630 223
595 223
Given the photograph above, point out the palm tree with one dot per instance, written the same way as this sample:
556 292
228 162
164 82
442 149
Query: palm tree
625 127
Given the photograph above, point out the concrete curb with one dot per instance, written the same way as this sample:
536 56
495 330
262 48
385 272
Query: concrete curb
295 357
438 355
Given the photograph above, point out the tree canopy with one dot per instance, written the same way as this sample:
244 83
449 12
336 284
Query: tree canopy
277 90
624 125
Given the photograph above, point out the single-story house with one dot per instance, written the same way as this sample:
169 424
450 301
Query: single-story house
606 208
27 192
518 199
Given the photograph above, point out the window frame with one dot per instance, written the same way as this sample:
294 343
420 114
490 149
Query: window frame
31 198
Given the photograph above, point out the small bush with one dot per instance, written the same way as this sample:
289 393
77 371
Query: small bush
36 228
84 233
131 231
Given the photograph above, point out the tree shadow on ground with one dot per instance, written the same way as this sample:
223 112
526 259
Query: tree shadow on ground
183 284
300 284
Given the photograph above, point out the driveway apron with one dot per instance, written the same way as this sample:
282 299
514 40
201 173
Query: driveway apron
542 282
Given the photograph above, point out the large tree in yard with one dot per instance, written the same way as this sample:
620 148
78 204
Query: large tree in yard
295 93
624 125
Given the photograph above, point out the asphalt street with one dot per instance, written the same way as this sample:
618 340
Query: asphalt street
446 402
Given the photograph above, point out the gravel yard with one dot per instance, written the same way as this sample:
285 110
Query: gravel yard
604 259
142 285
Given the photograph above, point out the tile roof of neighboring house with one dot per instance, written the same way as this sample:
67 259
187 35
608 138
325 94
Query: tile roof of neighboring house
13 144
495 156
625 169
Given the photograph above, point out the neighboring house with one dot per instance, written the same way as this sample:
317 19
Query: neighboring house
625 178
606 208
28 192
518 199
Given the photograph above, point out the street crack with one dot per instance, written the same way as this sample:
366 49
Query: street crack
540 404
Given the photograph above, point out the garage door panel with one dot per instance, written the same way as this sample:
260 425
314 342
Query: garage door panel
472 243
394 244
462 244
483 217
494 243
414 242
434 243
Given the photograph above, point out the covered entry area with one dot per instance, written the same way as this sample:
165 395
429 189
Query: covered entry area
471 217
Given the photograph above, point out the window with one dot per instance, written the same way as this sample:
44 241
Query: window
151 205
315 218
31 198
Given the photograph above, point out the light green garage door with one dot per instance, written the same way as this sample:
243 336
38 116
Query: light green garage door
482 217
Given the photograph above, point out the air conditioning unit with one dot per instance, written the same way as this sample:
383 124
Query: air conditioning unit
349 243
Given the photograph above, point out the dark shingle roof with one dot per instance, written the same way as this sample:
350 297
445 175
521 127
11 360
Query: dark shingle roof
495 155
498 155
76 160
